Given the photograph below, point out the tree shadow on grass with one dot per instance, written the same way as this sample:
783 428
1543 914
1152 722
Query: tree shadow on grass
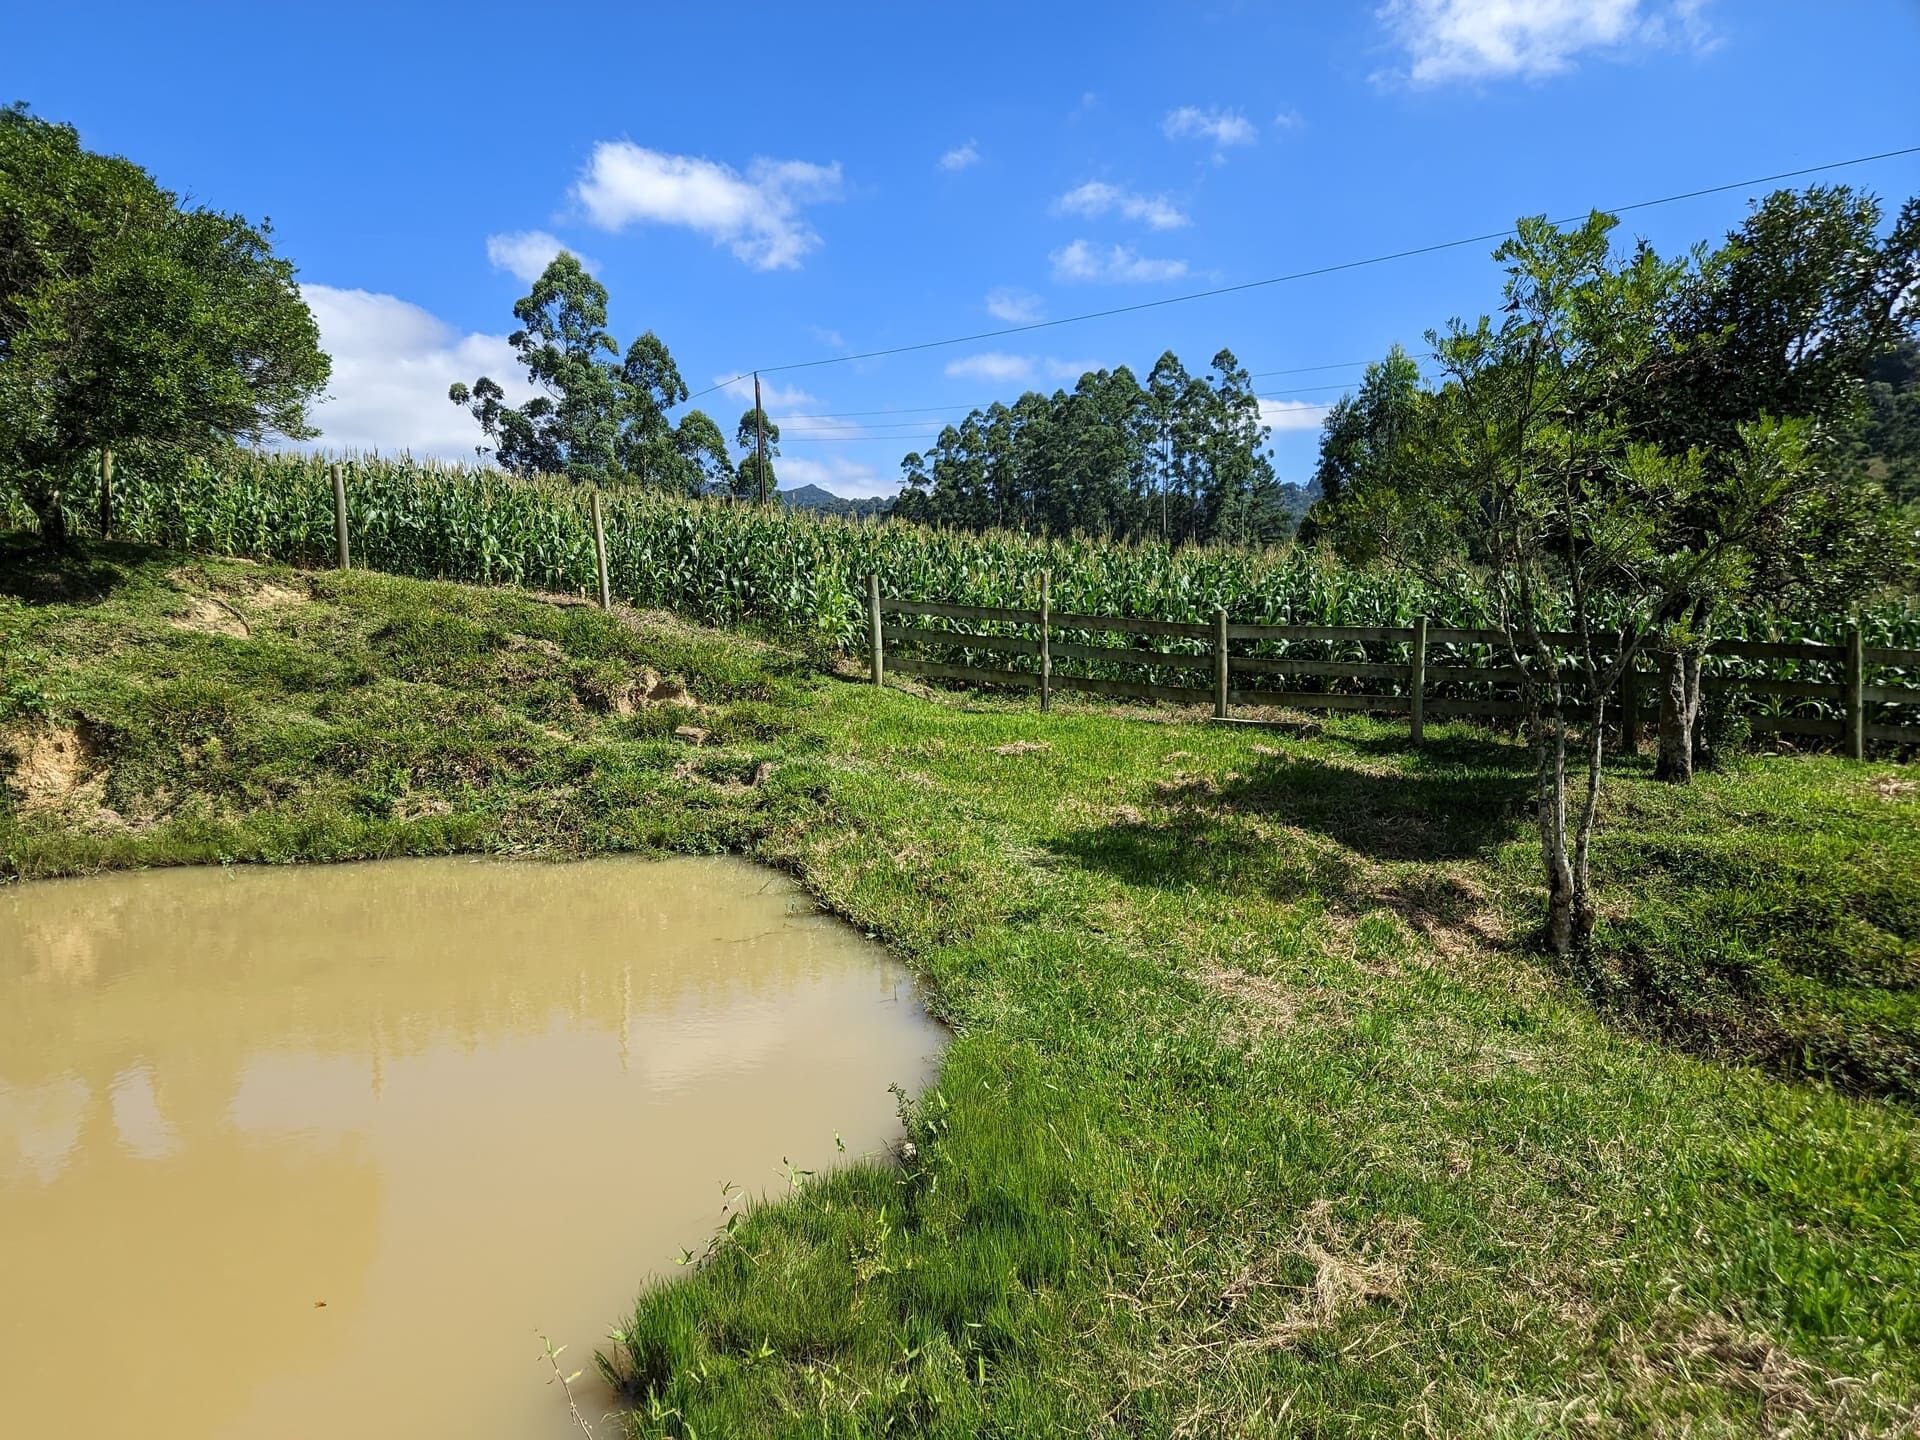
1454 801
1303 825
84 575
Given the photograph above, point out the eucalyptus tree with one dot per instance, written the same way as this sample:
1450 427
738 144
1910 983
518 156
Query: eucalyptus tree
1366 432
127 317
1181 457
594 418
572 427
753 426
1232 451
705 464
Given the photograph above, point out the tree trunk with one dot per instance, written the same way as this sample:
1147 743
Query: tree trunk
45 503
1564 902
1679 711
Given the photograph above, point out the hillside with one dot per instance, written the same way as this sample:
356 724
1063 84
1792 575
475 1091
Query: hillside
812 497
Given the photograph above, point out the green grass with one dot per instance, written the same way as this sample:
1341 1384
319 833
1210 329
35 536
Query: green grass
1260 1116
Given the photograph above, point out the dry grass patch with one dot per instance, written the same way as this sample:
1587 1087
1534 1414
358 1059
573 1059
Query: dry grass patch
1262 1005
1795 1397
1022 747
1893 787
1353 1269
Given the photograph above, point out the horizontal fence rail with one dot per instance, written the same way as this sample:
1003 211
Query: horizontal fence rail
1796 689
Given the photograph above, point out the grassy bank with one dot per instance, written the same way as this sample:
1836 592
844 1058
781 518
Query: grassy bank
1260 1117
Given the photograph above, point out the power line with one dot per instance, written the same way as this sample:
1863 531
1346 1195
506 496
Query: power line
881 430
986 404
1308 274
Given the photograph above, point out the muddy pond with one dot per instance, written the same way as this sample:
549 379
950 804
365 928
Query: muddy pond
324 1150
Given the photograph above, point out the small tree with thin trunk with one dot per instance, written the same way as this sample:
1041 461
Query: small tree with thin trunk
1526 485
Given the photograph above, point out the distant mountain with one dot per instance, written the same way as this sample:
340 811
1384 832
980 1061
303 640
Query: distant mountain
812 497
1296 500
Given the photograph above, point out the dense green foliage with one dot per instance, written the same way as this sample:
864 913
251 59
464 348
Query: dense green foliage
595 418
1179 459
1889 444
1807 311
124 316
1367 436
1256 1119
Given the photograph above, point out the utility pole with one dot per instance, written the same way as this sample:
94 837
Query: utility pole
760 436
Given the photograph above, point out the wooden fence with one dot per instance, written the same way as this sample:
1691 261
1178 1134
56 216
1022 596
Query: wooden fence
1418 670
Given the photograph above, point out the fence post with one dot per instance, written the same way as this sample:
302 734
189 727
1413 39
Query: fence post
1046 655
1856 694
873 630
600 554
340 518
1417 680
1219 663
106 494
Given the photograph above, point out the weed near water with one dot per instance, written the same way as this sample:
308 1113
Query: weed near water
1260 1117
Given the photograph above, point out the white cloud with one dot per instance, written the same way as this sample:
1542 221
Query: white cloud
1291 414
961 156
527 253
756 215
1486 39
392 364
992 365
850 479
1016 307
1083 260
997 366
1289 120
1223 127
1097 198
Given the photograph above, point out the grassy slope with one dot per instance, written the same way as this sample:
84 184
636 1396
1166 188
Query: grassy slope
1255 1121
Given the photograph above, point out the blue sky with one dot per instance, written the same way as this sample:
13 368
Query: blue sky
766 185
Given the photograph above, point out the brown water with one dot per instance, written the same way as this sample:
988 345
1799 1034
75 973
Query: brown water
320 1151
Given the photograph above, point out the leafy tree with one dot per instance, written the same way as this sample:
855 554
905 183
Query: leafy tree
650 385
1528 483
126 317
1790 317
1167 395
747 479
1238 472
705 465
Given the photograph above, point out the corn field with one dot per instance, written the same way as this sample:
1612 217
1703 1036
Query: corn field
788 571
